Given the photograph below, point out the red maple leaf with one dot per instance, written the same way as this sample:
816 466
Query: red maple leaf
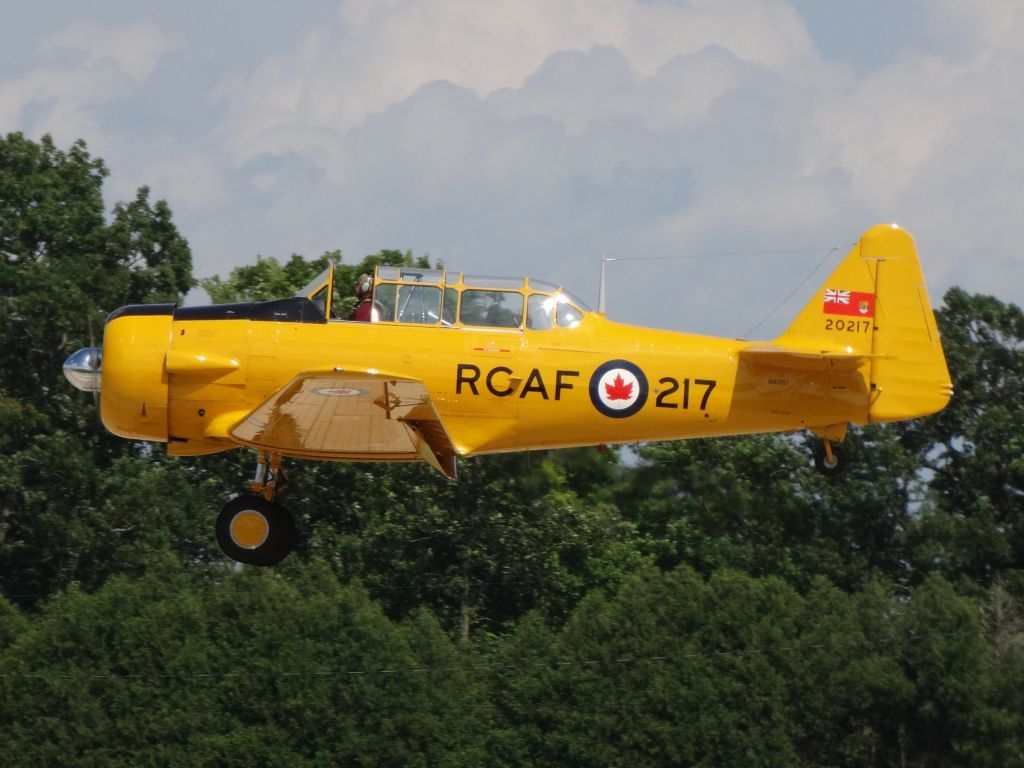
618 390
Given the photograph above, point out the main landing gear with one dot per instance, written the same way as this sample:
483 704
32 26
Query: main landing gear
252 528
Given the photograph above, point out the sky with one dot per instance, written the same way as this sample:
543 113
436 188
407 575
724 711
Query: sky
745 139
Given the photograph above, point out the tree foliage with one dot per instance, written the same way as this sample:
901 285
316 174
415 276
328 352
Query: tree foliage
972 524
246 669
672 668
64 267
269 279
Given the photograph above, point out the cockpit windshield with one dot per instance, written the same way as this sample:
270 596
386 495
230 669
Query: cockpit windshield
574 299
450 299
545 312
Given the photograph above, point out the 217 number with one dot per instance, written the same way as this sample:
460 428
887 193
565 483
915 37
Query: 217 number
672 386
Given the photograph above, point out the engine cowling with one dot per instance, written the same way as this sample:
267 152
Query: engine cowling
134 391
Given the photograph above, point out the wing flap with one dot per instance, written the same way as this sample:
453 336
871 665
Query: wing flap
350 415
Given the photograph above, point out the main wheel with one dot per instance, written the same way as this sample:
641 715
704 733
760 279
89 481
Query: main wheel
255 531
827 467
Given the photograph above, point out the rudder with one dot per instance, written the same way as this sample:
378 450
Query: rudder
909 377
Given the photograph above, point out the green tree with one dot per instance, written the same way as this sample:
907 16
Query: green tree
672 670
508 537
756 504
974 449
249 669
998 740
64 267
269 279
730 669
266 279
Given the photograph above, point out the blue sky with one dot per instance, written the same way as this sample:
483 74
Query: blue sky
532 136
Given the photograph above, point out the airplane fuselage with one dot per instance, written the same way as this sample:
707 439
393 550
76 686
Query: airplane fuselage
188 379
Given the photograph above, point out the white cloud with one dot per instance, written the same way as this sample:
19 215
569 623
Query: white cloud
530 136
87 67
58 101
134 48
976 28
932 141
569 129
381 53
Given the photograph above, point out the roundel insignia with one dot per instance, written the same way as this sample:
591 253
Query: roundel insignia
339 391
618 389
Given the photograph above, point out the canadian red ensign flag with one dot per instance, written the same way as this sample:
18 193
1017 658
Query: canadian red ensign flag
850 303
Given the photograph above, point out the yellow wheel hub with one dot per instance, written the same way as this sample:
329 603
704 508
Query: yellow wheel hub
249 529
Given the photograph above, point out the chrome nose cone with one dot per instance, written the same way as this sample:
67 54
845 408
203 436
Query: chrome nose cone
82 369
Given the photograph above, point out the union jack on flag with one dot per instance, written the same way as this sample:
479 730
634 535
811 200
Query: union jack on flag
836 297
849 303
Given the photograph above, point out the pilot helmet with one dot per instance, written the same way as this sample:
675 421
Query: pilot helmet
364 284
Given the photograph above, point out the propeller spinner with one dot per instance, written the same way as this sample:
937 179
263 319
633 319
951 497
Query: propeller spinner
83 369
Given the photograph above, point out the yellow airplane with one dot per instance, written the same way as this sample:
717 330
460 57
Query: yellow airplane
456 365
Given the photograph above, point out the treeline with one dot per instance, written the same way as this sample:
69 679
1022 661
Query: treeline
697 603
261 668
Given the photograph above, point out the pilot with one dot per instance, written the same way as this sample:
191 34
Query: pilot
365 311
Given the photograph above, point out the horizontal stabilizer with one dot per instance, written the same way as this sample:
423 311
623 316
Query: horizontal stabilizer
793 357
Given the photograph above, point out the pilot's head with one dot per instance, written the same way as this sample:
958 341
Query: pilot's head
364 284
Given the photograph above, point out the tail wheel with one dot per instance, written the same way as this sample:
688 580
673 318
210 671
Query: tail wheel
829 459
255 531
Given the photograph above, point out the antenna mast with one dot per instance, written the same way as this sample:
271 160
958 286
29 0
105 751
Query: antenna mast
600 285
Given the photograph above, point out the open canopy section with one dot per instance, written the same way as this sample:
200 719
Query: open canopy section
319 290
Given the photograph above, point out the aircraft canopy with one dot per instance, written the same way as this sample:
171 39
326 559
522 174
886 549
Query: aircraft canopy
439 297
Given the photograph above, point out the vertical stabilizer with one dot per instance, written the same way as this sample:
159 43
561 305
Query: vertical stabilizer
875 304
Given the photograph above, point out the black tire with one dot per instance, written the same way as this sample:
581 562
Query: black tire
827 468
240 536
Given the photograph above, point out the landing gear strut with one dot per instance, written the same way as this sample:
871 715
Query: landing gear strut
252 528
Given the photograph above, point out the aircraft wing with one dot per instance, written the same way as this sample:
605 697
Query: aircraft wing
352 415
